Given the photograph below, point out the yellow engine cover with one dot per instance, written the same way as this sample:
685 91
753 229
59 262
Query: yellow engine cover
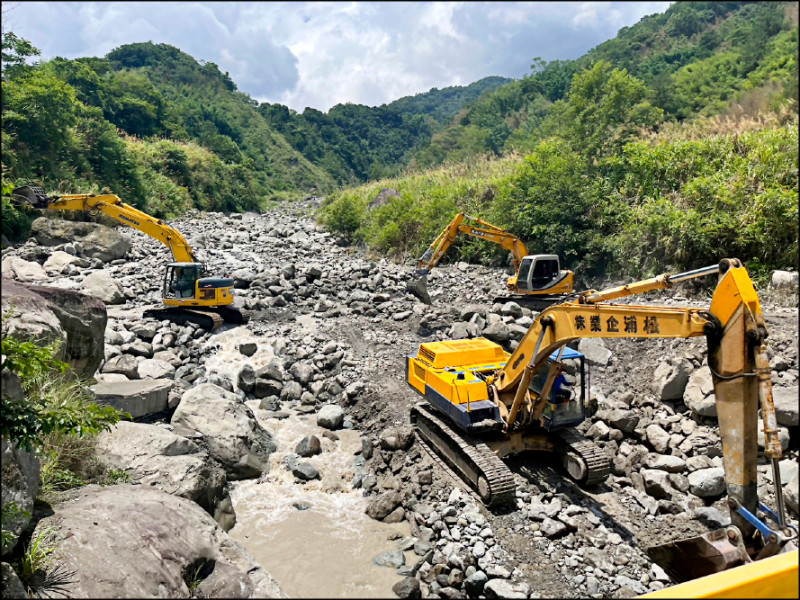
450 368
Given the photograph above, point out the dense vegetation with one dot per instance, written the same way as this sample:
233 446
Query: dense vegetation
147 122
695 58
597 159
645 155
356 143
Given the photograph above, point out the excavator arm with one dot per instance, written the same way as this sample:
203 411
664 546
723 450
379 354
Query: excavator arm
124 213
472 226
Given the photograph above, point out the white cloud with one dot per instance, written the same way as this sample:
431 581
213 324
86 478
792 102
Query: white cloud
319 54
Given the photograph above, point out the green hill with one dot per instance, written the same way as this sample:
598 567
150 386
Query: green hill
148 122
695 58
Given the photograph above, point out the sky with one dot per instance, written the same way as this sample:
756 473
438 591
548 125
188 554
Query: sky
319 54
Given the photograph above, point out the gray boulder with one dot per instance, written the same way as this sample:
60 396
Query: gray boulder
502 588
397 438
595 351
707 483
11 585
84 320
17 268
699 393
784 280
383 198
670 379
330 416
153 456
59 262
28 316
140 542
787 408
227 428
624 420
382 505
125 364
138 398
97 240
102 285
308 446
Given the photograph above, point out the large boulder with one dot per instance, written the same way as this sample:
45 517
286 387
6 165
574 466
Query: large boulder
20 269
786 280
383 198
787 409
140 542
84 321
699 393
139 398
97 240
595 351
227 428
104 286
59 262
31 316
670 380
156 457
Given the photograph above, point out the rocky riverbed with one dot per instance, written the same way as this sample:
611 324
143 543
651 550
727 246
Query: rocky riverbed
310 395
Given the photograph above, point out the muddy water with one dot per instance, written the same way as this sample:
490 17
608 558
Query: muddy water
313 538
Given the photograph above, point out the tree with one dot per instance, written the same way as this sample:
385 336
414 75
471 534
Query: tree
15 52
606 107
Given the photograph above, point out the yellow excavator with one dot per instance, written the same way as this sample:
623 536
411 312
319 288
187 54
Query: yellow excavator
187 294
538 279
484 404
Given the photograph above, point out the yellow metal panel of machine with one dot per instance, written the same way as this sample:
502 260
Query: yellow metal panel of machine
461 353
470 389
774 577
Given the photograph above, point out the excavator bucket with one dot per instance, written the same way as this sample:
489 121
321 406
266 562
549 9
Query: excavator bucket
418 286
687 559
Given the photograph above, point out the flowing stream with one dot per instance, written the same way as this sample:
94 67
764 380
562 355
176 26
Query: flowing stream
314 538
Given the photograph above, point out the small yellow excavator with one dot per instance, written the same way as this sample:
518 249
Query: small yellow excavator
483 404
538 279
187 294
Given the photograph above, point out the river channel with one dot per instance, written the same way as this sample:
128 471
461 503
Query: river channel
314 538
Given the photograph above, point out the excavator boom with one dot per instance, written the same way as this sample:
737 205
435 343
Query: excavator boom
127 214
537 282
473 227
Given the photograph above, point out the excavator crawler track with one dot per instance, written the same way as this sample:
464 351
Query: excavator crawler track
533 302
595 461
207 320
470 458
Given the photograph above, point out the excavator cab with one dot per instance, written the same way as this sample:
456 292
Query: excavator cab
566 405
184 285
540 272
180 279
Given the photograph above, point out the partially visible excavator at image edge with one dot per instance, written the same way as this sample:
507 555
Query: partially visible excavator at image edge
188 295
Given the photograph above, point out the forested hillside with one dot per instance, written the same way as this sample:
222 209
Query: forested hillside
660 149
695 58
355 143
598 159
148 122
